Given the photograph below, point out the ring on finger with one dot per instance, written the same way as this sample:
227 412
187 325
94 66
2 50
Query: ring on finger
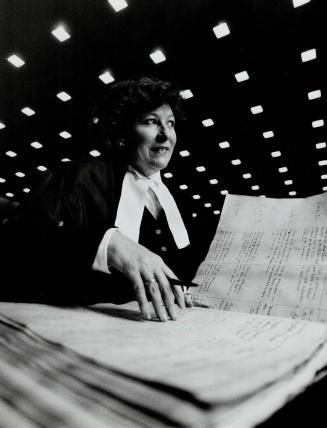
150 281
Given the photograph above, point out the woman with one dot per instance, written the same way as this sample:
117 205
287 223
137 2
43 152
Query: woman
108 229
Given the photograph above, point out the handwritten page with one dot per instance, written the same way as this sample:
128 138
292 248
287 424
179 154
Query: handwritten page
219 357
269 256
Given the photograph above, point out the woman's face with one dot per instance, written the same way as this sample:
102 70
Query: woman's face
153 140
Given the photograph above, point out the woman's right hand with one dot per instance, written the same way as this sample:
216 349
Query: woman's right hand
148 274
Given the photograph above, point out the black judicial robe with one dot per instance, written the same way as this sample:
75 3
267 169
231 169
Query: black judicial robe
48 246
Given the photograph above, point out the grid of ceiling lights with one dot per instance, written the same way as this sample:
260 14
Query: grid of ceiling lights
158 56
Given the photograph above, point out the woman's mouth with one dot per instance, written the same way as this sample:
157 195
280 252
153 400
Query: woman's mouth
160 149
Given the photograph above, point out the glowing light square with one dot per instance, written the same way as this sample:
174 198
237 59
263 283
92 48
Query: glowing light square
207 205
65 160
317 123
60 33
292 193
247 175
276 154
242 76
221 30
297 3
157 56
320 145
283 169
324 188
256 109
19 174
255 187
213 181
36 145
288 182
224 145
168 175
196 197
184 153
236 162
194 215
106 77
268 134
2 180
224 192
16 61
207 122
118 5
322 162
186 94
183 187
28 111
216 212
41 168
65 135
308 55
63 96
323 177
200 168
2 125
314 94
95 153
26 190
10 195
11 154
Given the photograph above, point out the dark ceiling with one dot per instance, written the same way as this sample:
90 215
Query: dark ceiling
266 39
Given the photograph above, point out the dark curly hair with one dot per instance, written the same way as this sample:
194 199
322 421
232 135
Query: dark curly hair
128 99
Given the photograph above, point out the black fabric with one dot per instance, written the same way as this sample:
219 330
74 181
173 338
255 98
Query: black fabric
48 246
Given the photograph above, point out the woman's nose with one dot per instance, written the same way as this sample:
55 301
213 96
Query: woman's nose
162 133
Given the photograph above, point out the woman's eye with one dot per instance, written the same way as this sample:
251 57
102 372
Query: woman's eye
171 123
150 121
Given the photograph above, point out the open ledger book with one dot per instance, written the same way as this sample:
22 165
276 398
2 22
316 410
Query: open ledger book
266 273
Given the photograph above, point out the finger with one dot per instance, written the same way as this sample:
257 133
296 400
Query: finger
177 290
141 296
188 300
167 294
154 292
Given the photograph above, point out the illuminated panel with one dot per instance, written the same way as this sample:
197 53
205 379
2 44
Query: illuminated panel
292 193
63 96
2 125
255 187
288 182
196 197
276 154
28 111
247 175
200 168
65 160
221 30
268 134
297 3
10 195
207 205
157 56
308 55
183 187
65 135
11 154
106 77
322 162
60 33
118 5
236 162
168 175
224 192
317 123
320 145
314 94
256 109
283 169
36 145
2 180
213 181
207 122
19 174
323 177
242 76
184 153
95 153
26 190
216 212
16 61
224 145
41 168
186 94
